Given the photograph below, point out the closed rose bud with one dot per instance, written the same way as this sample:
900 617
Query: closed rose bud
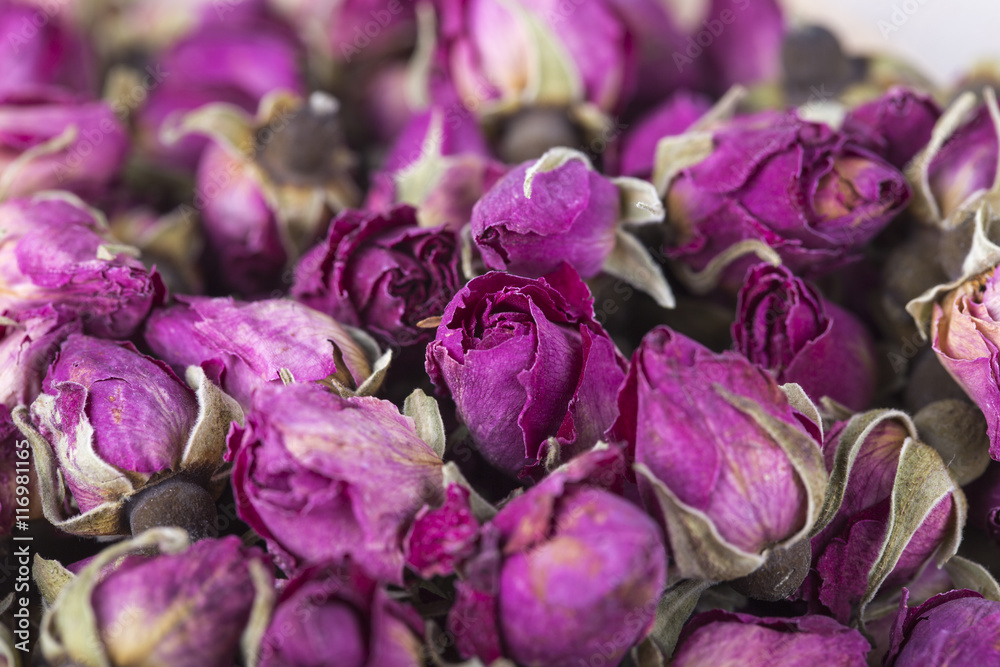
237 60
55 252
893 507
246 346
782 188
96 396
672 117
340 607
720 637
267 187
955 628
443 538
702 427
51 140
896 126
964 336
28 342
567 571
746 45
530 349
311 475
440 164
381 272
133 590
784 325
41 49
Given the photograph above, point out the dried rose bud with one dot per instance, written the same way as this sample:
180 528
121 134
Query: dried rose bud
340 607
893 507
268 185
311 475
746 45
896 126
439 164
785 325
96 396
720 637
40 49
54 251
171 242
700 426
180 605
236 60
566 571
560 209
52 140
530 349
28 342
442 539
779 187
671 118
383 273
247 346
955 628
964 336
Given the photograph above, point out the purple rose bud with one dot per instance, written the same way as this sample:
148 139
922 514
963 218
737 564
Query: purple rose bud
966 165
267 188
955 628
781 188
328 607
237 61
381 272
133 602
571 215
720 637
671 118
785 325
54 252
97 395
699 424
311 472
530 349
28 342
896 126
503 57
898 509
443 538
964 337
549 587
440 164
51 140
246 346
41 50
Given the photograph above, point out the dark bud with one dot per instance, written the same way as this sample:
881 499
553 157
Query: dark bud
780 576
175 501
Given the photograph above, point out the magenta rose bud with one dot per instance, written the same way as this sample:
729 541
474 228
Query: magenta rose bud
964 337
340 607
236 61
548 586
245 346
746 42
439 164
381 272
76 144
185 606
443 538
720 637
864 547
784 325
531 349
773 186
699 425
311 475
954 628
966 164
672 117
54 252
896 126
42 50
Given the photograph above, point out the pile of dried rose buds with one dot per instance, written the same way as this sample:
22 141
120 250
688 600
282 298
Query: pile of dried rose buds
392 333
